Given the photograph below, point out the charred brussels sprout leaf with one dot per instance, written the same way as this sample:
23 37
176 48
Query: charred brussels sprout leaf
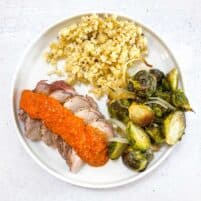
118 111
144 83
149 155
141 114
137 137
165 86
173 78
116 149
155 134
135 159
174 126
158 111
180 100
164 95
159 75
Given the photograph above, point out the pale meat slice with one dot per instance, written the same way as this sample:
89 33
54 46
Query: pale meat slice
48 137
60 95
45 88
76 103
32 129
92 102
89 115
103 126
73 161
61 85
42 87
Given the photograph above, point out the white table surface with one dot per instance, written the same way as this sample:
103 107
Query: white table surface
178 22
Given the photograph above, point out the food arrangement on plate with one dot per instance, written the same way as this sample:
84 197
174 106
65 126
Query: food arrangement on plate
146 107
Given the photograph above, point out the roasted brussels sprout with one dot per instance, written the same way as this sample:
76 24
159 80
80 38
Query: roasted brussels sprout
173 78
119 111
155 134
137 137
180 100
174 126
144 83
116 149
159 75
135 159
141 114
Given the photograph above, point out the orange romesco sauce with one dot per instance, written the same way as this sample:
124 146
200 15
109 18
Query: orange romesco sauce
88 142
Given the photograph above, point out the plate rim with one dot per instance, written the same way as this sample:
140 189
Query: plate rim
22 140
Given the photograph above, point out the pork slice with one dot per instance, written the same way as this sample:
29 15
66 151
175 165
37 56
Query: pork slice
89 115
45 88
62 147
48 137
73 161
42 87
61 85
76 103
103 126
60 95
92 102
32 128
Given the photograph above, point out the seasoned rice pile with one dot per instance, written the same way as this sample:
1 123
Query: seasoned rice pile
98 51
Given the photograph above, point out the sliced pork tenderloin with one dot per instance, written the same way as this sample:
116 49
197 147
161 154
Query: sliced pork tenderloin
83 106
103 126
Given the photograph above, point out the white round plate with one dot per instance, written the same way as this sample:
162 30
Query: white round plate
33 68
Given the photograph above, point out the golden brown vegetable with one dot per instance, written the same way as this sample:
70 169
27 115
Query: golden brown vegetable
141 114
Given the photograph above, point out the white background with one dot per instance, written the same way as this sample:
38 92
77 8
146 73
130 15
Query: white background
178 22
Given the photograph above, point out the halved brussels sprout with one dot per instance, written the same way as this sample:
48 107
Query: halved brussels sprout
137 137
140 114
173 78
144 83
135 159
155 133
180 100
118 111
174 126
116 149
